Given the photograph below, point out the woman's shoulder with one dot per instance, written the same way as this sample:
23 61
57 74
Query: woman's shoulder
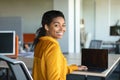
48 39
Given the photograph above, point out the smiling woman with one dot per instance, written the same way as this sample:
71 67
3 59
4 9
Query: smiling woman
57 28
49 62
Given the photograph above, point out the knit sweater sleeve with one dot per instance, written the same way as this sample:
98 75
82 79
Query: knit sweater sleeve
71 68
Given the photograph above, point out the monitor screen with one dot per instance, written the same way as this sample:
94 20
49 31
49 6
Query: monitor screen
115 31
7 42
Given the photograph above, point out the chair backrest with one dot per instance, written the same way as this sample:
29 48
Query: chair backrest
95 44
28 37
18 68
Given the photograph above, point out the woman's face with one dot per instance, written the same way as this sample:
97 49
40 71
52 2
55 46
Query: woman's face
57 28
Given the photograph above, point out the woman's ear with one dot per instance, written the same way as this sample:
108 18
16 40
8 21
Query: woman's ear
46 28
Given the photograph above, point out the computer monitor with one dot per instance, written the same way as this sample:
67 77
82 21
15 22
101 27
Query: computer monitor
115 31
7 42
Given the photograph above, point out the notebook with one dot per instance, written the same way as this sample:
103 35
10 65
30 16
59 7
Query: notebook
95 59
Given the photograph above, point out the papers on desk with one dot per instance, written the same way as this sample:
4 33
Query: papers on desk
27 54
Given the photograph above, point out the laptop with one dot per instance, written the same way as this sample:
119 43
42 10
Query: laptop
95 59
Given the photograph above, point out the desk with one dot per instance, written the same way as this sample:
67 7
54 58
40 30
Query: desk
115 45
113 62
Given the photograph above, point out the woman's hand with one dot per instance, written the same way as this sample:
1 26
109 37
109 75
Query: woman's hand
82 68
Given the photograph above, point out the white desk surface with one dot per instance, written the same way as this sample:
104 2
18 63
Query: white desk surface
113 59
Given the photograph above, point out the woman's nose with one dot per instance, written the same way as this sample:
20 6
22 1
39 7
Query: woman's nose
62 28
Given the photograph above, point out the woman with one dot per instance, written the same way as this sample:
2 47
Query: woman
49 62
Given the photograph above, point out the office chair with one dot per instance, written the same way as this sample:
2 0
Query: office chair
95 44
18 68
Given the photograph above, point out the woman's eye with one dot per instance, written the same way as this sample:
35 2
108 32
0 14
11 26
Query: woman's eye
56 25
64 25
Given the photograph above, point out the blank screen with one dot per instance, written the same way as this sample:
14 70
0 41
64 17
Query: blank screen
7 42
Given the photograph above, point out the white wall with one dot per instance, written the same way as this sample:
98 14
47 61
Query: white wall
89 16
102 19
100 16
29 10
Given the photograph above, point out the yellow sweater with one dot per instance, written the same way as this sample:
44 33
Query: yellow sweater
49 62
